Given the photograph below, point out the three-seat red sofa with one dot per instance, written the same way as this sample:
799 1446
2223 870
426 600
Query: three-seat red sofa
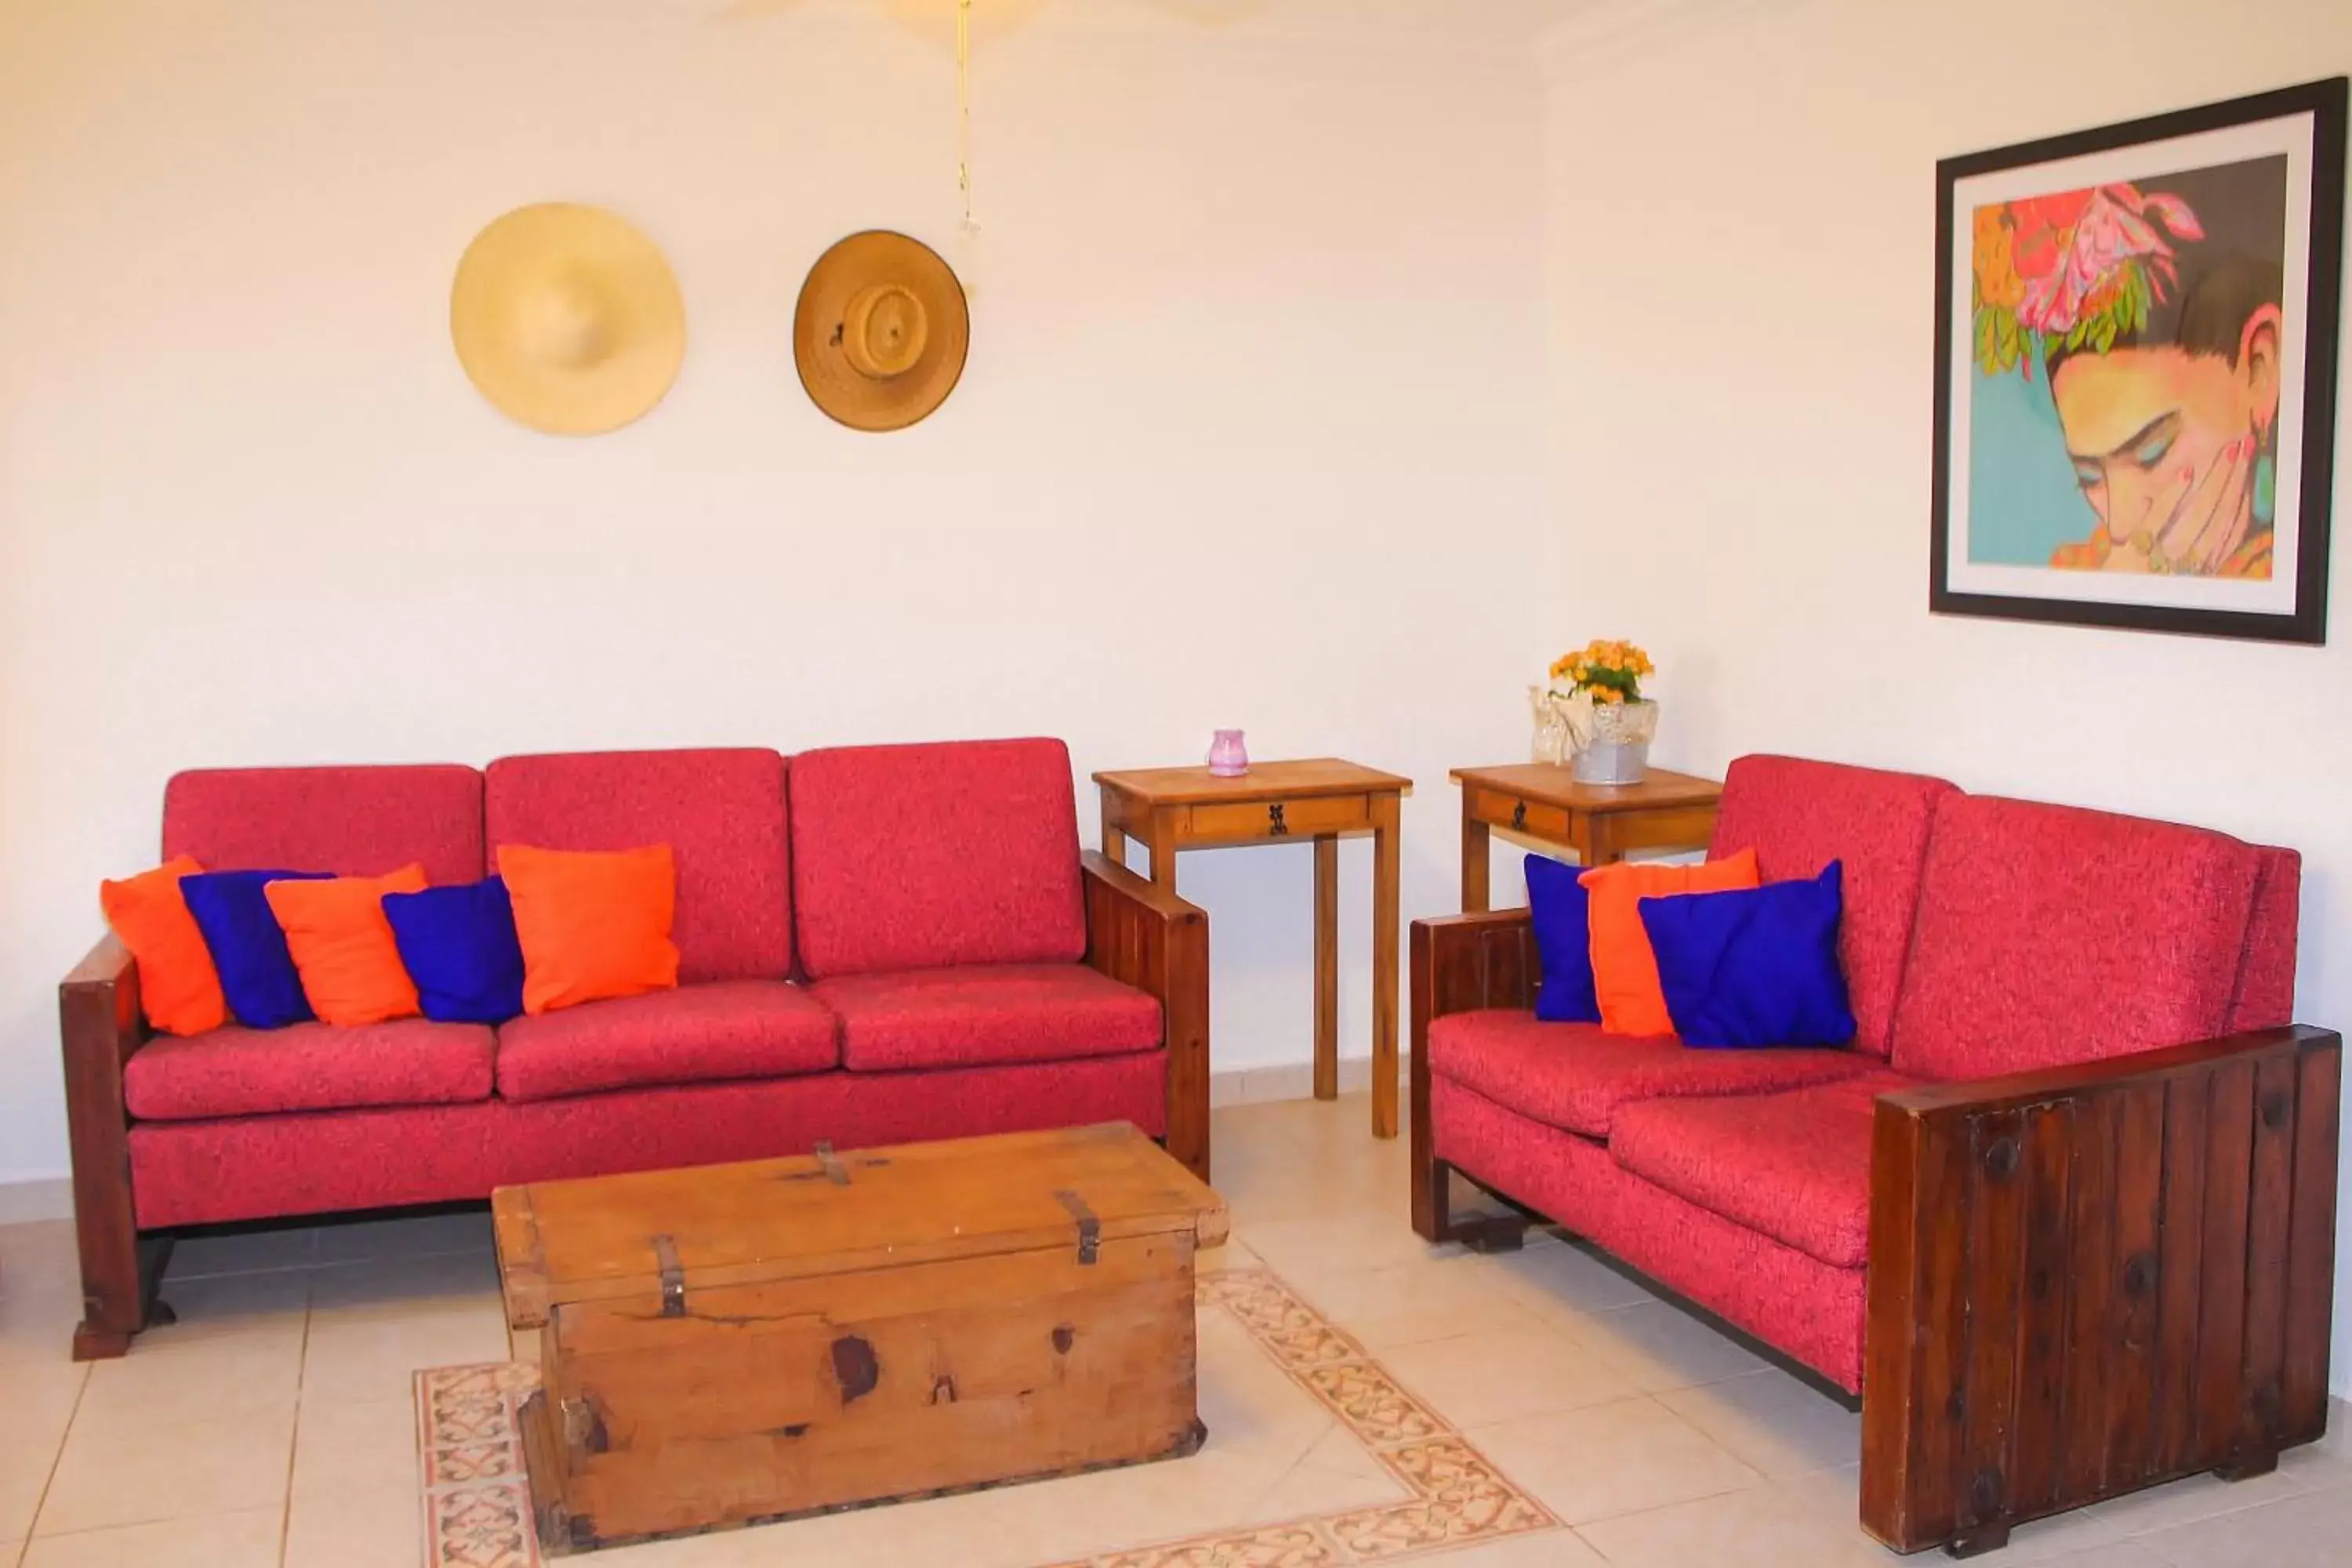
2065 1214
876 945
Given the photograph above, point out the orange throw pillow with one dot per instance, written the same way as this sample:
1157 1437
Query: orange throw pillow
342 945
593 924
1624 970
179 989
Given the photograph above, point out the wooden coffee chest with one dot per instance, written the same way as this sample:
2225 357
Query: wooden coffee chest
728 1343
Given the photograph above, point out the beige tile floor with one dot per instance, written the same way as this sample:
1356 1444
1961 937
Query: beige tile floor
272 1427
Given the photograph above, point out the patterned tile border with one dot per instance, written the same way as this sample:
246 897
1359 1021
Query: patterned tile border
478 1499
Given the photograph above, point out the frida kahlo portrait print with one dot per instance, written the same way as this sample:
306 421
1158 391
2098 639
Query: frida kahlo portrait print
2136 378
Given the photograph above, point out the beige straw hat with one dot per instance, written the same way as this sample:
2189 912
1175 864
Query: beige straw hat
882 330
567 319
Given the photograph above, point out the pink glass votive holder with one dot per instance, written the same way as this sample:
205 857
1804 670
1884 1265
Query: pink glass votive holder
1228 758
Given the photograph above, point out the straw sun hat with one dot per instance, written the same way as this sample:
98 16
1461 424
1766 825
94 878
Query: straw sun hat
567 319
881 332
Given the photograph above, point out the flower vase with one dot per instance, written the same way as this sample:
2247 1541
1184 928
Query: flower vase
1554 740
1618 750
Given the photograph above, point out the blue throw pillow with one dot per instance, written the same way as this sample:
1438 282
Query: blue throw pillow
1757 967
460 949
1559 907
248 948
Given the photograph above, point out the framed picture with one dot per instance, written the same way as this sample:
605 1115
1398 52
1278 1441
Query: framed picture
2136 363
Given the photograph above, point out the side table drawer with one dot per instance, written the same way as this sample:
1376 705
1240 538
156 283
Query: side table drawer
1499 810
1246 821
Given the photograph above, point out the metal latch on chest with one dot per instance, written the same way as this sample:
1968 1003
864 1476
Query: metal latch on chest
1089 1227
673 1277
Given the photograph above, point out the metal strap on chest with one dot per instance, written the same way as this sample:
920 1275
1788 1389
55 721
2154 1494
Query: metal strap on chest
673 1277
834 1171
1089 1227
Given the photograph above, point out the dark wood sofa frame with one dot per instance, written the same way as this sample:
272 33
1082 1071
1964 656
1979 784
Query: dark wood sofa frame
1143 935
2083 1280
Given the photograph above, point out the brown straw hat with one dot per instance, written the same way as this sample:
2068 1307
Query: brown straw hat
882 330
567 319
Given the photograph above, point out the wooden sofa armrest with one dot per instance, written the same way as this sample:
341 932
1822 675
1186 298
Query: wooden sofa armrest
1144 935
2095 1278
100 1025
1459 963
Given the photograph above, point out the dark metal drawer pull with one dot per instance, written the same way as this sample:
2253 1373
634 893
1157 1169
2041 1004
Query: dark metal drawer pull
1276 826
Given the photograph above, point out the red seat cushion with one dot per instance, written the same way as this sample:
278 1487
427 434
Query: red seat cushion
1574 1076
253 1167
722 814
350 821
2049 934
1795 1166
927 857
1798 816
987 1016
239 1071
727 1029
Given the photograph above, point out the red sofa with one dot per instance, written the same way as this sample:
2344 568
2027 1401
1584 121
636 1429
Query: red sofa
2063 1214
876 945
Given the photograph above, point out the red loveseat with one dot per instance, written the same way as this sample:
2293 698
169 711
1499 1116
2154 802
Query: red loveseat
914 947
2065 1214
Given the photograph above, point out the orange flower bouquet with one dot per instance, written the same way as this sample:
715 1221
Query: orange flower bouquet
1593 714
1610 671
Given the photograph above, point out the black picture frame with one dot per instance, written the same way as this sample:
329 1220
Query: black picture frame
2324 102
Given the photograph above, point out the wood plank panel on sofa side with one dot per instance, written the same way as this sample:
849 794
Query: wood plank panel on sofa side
1459 963
1145 936
2175 1260
100 1026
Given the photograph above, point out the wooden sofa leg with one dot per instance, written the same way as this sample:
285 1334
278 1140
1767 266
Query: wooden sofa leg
1976 1543
1433 1194
2246 1466
1492 1232
120 1275
113 1300
1433 1220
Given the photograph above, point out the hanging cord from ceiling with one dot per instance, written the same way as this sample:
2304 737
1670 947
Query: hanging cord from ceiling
964 111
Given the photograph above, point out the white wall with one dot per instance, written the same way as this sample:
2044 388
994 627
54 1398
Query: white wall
1249 434
1741 213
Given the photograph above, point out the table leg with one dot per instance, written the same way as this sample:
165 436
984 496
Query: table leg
1163 845
1114 838
1327 967
1384 966
1474 867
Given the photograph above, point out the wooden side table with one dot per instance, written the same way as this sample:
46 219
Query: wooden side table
1600 822
1324 799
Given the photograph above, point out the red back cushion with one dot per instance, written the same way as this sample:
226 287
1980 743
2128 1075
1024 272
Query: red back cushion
720 812
2265 995
1800 815
919 857
2048 935
351 821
